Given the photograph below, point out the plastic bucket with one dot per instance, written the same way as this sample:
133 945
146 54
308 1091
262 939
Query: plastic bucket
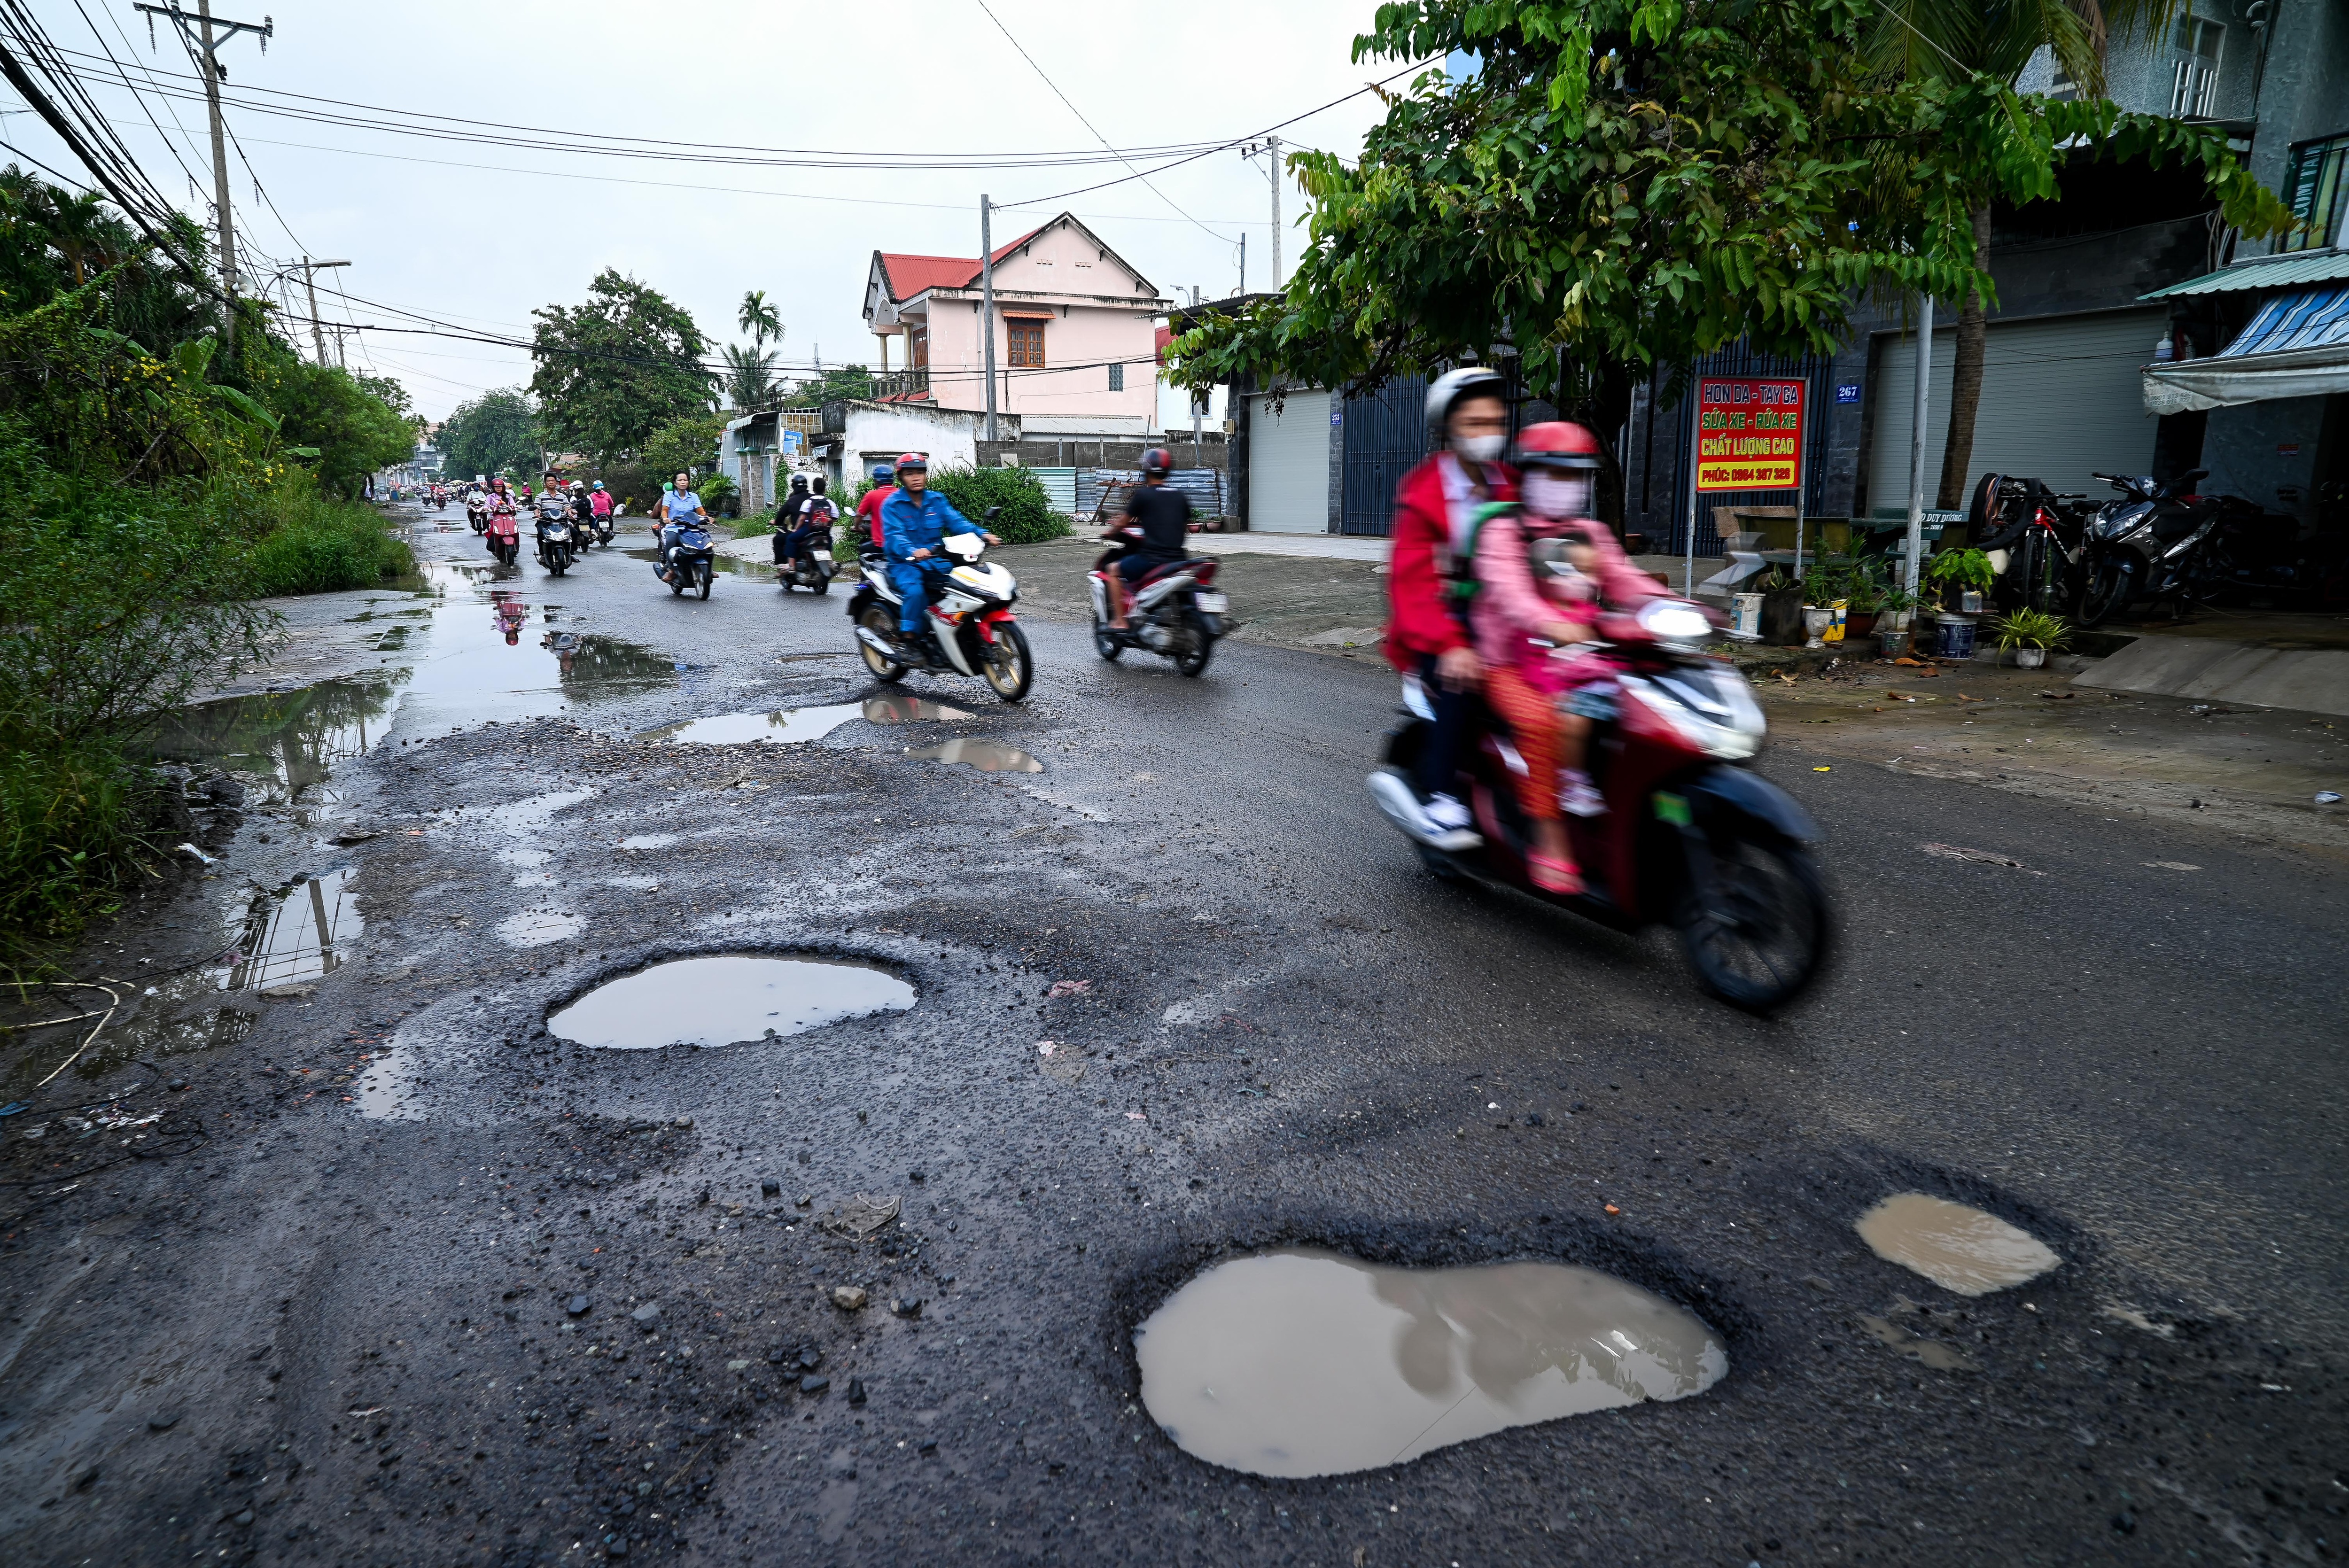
1745 618
1956 637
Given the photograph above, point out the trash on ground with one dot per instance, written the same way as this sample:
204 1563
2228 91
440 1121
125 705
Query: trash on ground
863 1216
1067 988
2328 797
1984 857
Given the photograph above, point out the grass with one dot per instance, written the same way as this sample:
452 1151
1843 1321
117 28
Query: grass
314 544
77 823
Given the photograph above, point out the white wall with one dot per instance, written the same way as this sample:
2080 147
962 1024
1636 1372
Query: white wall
948 437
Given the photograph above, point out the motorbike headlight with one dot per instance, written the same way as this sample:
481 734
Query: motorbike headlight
1675 622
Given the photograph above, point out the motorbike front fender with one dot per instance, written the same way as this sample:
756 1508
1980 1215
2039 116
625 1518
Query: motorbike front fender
1725 791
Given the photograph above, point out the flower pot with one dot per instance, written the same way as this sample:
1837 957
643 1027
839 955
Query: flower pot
1859 625
2030 658
1891 644
1954 637
1816 622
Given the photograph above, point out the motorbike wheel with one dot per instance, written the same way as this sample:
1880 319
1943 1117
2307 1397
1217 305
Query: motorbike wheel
1013 669
822 586
707 574
1192 660
1763 933
881 622
2107 592
676 581
1105 641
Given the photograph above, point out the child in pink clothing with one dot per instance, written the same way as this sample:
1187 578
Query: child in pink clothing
1549 695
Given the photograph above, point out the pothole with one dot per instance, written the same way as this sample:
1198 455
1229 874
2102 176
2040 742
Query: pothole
538 927
722 1000
1960 1249
301 937
1305 1363
987 756
784 725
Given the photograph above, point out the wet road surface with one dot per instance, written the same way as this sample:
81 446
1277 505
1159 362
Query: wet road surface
401 1276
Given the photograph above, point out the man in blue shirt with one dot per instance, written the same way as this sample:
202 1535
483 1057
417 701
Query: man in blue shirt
914 523
679 506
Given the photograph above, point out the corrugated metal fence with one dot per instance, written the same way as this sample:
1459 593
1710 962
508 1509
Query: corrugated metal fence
1079 491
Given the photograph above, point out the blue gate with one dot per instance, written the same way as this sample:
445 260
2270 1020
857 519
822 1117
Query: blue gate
1385 433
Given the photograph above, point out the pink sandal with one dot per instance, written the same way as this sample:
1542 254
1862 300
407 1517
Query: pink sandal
1555 875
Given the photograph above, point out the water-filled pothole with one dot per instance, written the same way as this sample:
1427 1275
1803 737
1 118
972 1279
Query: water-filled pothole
537 927
722 1000
797 724
1958 1248
302 937
1302 1363
987 756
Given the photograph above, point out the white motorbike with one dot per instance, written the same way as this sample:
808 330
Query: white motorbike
969 615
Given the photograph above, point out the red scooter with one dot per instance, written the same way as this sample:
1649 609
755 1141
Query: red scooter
505 537
1174 609
1690 835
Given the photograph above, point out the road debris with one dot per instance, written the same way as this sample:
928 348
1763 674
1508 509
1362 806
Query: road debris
1985 857
863 1216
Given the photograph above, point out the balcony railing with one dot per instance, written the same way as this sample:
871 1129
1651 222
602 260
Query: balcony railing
898 383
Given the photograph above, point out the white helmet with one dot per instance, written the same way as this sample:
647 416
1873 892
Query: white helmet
1447 389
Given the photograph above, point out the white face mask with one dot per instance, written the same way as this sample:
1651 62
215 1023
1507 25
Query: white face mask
1481 449
1551 496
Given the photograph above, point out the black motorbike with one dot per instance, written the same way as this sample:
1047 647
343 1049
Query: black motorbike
1174 609
807 564
558 542
2036 540
690 561
2150 545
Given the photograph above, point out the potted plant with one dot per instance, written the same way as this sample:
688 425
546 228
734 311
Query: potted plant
2032 635
1964 575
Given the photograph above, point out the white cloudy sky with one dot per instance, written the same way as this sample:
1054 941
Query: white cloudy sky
478 235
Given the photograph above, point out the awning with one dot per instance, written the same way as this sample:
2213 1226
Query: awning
2297 347
2296 270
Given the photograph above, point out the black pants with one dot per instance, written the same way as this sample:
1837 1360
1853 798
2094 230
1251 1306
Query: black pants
1452 712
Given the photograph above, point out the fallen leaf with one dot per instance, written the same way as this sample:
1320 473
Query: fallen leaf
1613 1210
1986 857
1912 663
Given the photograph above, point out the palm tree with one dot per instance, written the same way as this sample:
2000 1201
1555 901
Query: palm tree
1952 40
759 319
749 376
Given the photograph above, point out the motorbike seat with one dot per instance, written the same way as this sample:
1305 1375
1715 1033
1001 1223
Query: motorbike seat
1167 569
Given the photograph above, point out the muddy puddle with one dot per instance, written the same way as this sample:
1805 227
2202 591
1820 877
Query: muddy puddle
1304 1363
1958 1248
987 756
727 999
799 723
298 937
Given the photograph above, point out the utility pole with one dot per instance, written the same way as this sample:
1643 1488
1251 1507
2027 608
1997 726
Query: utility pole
1271 146
987 305
1918 410
318 333
1198 399
198 33
1243 261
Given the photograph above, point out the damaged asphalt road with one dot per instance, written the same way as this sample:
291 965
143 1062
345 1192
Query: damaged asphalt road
400 1278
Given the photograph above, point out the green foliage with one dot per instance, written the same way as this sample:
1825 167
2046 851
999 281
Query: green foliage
2033 629
718 495
1633 182
347 419
321 544
1959 569
1027 516
76 820
617 368
759 318
748 381
838 384
494 433
687 444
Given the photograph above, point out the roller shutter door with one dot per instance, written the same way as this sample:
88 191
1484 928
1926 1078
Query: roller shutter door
1289 464
2061 398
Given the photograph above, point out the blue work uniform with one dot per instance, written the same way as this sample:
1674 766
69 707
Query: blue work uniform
911 522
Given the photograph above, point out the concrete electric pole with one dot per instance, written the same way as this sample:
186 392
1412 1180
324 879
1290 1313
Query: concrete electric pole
986 306
1269 146
203 37
310 277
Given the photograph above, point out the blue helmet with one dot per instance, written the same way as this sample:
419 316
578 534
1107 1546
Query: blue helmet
883 472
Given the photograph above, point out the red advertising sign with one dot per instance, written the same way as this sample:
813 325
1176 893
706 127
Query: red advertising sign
1749 434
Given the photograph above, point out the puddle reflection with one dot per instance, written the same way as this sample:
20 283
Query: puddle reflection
294 937
987 756
1960 1249
1303 1364
723 1000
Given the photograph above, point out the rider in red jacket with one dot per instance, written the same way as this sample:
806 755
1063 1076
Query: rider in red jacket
1468 424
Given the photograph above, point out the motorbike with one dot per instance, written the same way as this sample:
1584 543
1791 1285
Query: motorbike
811 567
970 615
503 535
477 514
1174 611
598 525
2147 545
2034 539
557 541
1690 835
692 561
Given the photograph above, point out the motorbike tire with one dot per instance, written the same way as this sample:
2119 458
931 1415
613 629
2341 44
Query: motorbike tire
1765 933
1105 641
879 619
1193 660
705 576
676 581
1015 672
821 587
2106 594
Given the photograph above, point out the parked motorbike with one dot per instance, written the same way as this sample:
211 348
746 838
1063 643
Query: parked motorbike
2147 545
971 616
2033 537
691 563
557 543
1690 835
1174 611
503 534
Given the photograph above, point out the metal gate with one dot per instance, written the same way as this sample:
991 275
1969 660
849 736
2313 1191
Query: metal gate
1385 434
1819 378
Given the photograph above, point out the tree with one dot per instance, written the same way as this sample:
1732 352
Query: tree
750 379
759 319
685 445
613 370
345 419
1632 183
496 431
834 384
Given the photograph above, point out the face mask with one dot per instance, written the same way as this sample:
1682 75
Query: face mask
1551 496
1479 448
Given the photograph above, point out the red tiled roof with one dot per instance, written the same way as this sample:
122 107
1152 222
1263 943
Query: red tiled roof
909 275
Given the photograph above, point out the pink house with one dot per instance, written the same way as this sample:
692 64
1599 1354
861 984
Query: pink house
1075 332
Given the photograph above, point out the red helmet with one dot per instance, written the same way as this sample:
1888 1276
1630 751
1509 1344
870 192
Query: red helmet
912 461
1157 462
1559 444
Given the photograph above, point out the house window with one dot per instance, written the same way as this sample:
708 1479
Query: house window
2318 190
2194 65
1117 377
1027 344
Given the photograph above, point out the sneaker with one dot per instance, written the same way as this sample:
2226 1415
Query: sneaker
1578 796
1404 809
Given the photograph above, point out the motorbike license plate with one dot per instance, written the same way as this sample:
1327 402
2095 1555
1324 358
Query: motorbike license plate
824 556
1213 603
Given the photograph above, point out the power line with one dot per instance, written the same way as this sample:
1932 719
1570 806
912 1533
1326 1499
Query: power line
135 94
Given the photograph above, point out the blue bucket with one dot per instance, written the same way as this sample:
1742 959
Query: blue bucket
1956 639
